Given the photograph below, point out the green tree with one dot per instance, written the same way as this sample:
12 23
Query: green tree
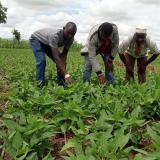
3 14
17 35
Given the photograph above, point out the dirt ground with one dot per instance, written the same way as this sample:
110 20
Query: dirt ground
4 93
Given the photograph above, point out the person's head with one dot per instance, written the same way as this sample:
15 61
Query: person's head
70 30
140 35
105 30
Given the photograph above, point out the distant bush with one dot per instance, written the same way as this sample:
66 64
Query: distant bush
12 43
16 35
24 44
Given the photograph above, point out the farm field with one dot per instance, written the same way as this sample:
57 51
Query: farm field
78 122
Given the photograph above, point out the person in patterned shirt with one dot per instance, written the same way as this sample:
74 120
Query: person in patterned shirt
135 48
103 39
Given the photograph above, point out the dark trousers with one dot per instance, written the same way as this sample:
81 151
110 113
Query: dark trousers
141 68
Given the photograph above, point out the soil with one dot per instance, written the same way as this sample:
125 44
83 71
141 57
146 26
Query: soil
58 141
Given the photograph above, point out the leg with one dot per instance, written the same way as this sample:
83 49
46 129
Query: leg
130 67
109 73
87 69
141 69
40 59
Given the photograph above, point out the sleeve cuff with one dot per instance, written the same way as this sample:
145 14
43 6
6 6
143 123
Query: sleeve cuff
99 73
111 58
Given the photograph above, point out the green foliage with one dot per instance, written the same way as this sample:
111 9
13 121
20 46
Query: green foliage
26 137
16 35
107 123
17 43
76 46
11 43
3 15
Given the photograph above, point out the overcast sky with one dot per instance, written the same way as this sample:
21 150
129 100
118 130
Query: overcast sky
30 15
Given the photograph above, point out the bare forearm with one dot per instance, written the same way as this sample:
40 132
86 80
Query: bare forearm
63 56
59 62
151 59
64 59
123 59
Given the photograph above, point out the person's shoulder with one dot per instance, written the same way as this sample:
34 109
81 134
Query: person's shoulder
48 31
114 26
55 33
44 29
115 29
150 41
94 32
94 29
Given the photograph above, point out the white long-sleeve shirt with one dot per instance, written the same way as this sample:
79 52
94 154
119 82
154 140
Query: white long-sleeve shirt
93 43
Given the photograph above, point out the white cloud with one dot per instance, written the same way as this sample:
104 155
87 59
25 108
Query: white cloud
149 2
40 4
28 16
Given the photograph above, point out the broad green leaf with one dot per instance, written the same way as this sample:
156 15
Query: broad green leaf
32 156
138 157
17 141
22 120
154 136
153 156
71 143
23 157
140 151
34 140
47 135
48 157
124 141
10 149
120 140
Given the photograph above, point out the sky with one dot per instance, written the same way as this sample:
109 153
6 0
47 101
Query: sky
28 16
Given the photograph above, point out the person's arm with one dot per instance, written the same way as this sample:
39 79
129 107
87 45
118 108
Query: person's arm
64 54
65 51
154 50
53 43
61 65
114 49
122 48
123 59
95 63
151 59
92 56
59 62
